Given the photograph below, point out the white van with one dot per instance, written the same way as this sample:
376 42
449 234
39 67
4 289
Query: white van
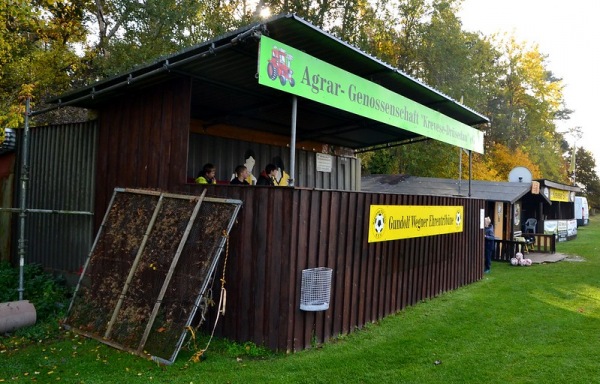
581 211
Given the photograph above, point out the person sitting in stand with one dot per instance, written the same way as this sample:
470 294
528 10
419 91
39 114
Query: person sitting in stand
207 174
241 174
266 177
281 179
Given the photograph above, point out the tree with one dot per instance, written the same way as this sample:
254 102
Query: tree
37 52
525 110
443 50
132 33
585 175
506 80
428 158
380 162
408 16
482 167
503 159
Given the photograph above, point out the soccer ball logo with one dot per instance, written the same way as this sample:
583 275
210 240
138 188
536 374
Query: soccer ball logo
379 222
458 218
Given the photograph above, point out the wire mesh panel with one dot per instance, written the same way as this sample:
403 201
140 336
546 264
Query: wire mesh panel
149 268
110 262
315 291
191 277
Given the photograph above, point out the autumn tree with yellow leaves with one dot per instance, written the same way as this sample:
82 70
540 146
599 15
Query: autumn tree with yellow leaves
50 46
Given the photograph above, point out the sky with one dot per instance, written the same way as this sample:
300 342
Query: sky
567 32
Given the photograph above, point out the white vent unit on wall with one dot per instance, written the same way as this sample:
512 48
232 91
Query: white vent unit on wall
8 141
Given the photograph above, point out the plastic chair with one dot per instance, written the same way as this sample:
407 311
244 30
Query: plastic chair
530 225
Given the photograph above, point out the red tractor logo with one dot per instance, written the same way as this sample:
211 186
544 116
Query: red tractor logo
279 66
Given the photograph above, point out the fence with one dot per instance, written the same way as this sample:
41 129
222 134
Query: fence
282 231
504 250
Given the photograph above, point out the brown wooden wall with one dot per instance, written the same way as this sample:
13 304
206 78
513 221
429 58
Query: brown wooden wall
281 231
7 186
143 141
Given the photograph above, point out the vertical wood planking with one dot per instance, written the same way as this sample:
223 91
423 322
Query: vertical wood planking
329 228
363 294
354 262
301 263
333 234
277 261
342 280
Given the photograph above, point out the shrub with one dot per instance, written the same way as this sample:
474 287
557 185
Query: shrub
48 294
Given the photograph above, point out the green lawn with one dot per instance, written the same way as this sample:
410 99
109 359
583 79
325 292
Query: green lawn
538 324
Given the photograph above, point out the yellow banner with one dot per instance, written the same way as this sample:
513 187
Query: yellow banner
393 222
559 195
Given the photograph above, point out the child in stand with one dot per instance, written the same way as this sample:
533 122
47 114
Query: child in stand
207 174
241 174
267 176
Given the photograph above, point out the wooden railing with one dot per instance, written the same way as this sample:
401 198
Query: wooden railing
544 243
504 250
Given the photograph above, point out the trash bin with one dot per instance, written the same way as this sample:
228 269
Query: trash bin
316 289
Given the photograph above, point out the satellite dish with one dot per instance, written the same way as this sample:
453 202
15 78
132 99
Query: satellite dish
519 175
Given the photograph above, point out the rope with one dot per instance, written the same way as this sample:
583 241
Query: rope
198 356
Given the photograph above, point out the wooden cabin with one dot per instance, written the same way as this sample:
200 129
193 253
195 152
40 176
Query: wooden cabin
158 124
509 204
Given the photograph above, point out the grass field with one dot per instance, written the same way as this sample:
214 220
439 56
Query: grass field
538 324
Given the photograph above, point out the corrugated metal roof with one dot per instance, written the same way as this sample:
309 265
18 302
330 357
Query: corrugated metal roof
226 90
486 190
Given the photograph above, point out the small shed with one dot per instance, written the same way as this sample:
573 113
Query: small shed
156 125
558 217
509 204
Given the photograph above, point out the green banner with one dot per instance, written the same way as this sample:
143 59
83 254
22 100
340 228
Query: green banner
290 70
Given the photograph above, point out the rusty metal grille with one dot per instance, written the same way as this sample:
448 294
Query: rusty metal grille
149 268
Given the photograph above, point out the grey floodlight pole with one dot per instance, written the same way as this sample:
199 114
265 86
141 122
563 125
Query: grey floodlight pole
460 150
470 170
22 200
293 141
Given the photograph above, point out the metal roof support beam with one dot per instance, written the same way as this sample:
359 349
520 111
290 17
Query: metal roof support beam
392 145
221 84
470 170
291 182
